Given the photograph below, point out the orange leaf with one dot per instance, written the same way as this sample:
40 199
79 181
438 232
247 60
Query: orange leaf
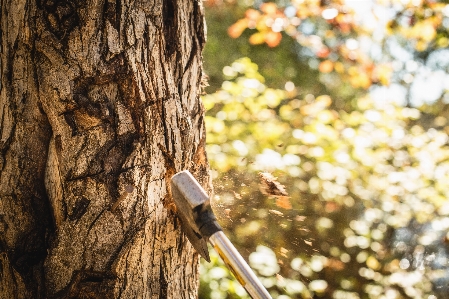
252 14
345 28
283 202
236 29
212 3
335 264
323 52
273 38
326 66
268 8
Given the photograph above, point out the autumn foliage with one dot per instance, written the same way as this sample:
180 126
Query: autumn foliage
332 33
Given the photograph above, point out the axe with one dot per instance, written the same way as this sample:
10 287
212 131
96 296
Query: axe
200 225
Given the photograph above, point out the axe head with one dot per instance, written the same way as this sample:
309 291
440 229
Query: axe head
189 198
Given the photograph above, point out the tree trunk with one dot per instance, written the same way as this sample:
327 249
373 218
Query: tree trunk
99 107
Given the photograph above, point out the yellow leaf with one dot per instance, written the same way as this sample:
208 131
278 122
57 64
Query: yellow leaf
373 263
257 38
443 42
339 67
424 30
360 80
324 100
325 117
382 74
421 46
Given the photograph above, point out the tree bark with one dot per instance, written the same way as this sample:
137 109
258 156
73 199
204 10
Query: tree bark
99 107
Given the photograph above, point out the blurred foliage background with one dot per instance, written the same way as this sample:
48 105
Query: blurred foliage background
346 104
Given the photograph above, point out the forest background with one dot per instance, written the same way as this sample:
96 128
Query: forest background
345 103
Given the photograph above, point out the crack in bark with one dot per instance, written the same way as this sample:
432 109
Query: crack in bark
129 91
5 145
136 228
84 176
199 22
163 284
170 29
61 17
89 284
80 209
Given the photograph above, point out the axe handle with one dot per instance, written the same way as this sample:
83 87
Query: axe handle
238 266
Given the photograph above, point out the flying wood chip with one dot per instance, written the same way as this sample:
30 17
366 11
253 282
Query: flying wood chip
270 186
283 202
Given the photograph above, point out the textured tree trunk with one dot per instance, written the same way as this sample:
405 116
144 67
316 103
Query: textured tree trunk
99 107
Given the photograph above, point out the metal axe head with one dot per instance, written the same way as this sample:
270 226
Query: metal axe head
190 198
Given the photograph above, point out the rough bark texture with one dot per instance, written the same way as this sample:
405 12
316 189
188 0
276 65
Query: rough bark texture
99 107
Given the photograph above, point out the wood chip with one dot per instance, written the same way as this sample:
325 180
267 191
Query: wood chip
270 186
283 202
276 212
